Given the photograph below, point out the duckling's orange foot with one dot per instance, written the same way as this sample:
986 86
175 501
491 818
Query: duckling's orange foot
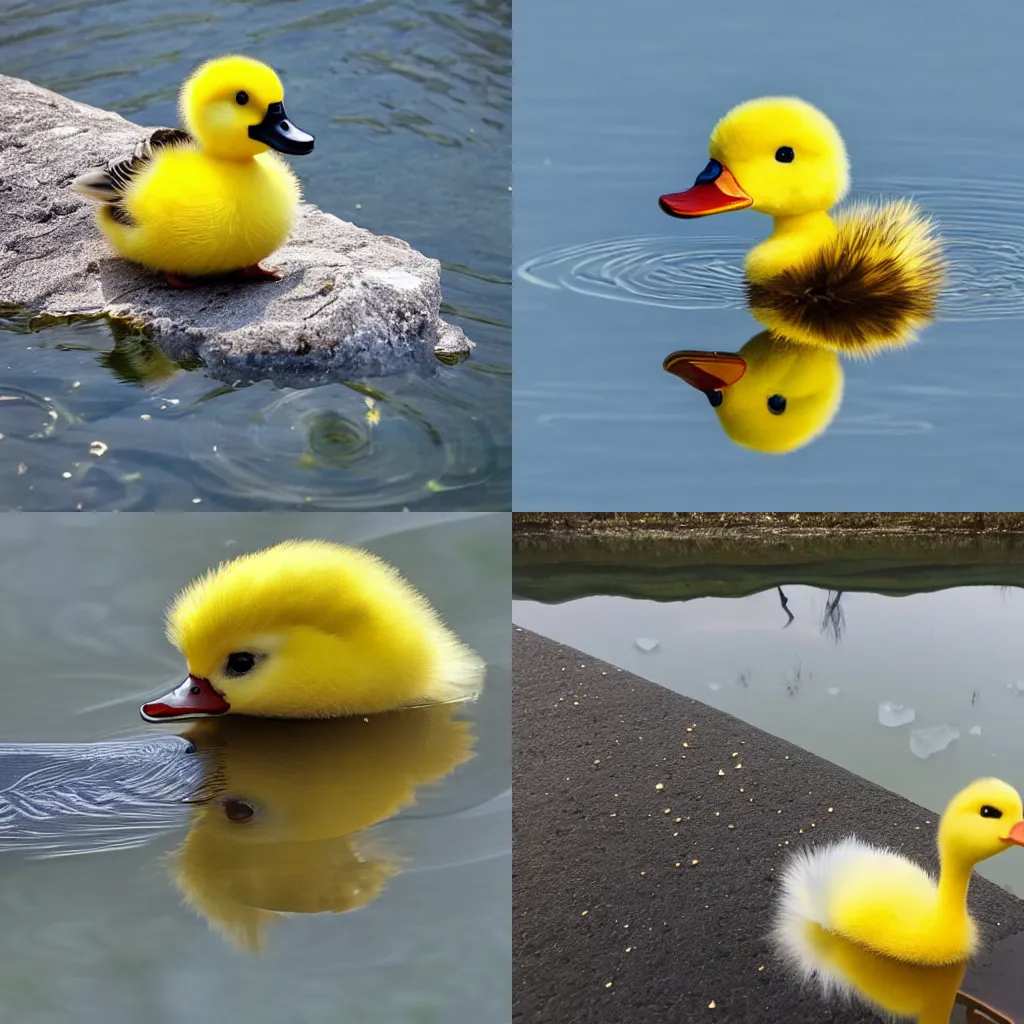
258 273
177 281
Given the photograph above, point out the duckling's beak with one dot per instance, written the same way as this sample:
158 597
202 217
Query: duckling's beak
1016 834
709 372
195 698
277 132
714 191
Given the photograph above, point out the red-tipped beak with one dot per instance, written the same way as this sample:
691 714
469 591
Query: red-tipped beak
195 698
1016 834
714 191
706 371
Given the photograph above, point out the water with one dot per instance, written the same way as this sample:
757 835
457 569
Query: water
828 678
109 930
613 110
409 103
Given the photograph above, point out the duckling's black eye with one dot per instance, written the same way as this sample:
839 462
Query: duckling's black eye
715 398
776 405
242 97
240 662
784 154
236 809
988 811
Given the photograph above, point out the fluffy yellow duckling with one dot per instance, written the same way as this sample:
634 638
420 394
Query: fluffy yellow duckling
885 902
286 828
771 396
212 199
868 279
310 629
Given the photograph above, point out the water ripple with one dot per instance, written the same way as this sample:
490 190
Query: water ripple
680 273
982 223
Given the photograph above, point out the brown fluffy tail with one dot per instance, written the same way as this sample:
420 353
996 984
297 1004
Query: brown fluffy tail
873 286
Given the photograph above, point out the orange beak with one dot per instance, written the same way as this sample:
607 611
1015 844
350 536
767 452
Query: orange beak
1016 834
714 191
706 371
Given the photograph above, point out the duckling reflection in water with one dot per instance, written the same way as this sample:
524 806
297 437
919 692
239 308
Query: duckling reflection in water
772 396
285 830
844 971
280 815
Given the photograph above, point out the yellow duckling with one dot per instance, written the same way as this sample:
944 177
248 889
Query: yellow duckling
868 279
885 902
310 629
212 199
771 396
285 829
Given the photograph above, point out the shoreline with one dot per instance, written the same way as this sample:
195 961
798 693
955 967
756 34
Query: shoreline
350 303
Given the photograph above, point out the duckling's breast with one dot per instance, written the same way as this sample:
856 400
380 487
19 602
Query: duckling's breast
793 241
197 215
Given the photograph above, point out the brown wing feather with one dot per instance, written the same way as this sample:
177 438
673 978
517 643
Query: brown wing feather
873 286
109 183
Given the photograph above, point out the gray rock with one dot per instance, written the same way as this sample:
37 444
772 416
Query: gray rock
351 303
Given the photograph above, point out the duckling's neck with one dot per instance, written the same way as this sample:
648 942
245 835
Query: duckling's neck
954 878
792 240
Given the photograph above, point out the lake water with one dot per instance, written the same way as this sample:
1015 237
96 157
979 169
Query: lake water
109 931
409 103
613 109
919 692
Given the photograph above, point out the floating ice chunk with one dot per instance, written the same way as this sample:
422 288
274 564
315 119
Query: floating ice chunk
833 691
1017 687
931 739
894 714
646 644
975 730
714 686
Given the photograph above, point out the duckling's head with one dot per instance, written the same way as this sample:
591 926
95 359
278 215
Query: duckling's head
310 629
980 821
778 155
234 106
772 396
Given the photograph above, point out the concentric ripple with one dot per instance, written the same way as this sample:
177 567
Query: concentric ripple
982 222
331 448
703 272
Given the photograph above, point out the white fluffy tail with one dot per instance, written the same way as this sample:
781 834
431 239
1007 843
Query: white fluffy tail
804 897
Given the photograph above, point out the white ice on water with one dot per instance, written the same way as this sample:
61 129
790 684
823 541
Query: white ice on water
891 714
931 739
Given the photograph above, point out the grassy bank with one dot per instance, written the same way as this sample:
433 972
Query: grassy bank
671 557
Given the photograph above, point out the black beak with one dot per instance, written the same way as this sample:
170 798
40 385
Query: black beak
277 132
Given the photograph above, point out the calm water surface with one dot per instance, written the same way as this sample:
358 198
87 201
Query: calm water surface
108 930
613 109
920 694
409 102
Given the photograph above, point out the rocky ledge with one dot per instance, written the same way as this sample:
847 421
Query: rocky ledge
351 303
